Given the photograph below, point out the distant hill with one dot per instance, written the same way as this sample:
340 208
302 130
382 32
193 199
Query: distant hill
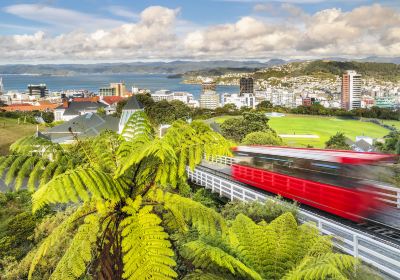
329 68
174 67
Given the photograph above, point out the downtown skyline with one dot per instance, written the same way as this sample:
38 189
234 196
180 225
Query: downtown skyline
90 31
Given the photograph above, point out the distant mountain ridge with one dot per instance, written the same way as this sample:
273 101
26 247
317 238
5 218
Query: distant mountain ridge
173 67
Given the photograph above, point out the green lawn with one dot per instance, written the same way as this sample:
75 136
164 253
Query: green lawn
10 131
324 127
392 123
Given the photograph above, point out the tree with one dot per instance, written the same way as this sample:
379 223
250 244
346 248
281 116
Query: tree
123 195
391 143
278 250
161 112
337 142
101 111
120 105
262 138
264 106
237 128
145 99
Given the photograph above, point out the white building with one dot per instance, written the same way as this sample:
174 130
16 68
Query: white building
1 85
245 100
162 94
209 99
351 90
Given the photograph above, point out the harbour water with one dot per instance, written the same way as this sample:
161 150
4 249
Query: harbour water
93 82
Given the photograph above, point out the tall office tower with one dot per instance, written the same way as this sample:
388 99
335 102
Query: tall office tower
351 90
246 85
38 90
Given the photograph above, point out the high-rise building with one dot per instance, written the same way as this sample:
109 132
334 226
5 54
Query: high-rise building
1 86
38 90
351 90
120 88
209 99
115 89
246 85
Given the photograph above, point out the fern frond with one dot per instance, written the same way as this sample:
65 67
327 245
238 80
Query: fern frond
13 169
79 184
212 258
55 235
31 144
73 263
159 152
36 174
202 275
328 266
147 252
24 171
138 124
207 221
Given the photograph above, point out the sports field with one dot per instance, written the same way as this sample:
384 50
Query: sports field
320 126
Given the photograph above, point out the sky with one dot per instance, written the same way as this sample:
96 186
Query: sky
91 31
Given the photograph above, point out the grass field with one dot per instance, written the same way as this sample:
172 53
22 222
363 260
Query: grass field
10 131
396 124
324 127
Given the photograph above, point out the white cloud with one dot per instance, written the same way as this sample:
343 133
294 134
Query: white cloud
160 33
61 18
122 12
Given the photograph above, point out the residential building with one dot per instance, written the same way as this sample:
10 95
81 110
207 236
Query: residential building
72 109
107 91
246 85
239 100
385 102
351 90
132 105
111 102
209 99
39 91
81 127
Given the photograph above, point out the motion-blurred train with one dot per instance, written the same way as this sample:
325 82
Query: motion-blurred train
343 183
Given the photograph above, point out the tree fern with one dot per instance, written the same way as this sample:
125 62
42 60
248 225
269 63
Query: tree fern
205 219
327 266
73 263
215 259
79 185
147 252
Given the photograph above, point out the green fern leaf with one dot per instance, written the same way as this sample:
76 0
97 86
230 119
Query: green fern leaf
79 184
73 263
147 252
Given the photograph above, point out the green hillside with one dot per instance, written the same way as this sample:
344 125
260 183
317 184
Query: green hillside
330 69
10 131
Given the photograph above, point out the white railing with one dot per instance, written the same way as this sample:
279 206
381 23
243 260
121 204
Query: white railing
221 160
389 195
379 253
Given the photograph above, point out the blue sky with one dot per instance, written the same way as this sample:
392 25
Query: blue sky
75 30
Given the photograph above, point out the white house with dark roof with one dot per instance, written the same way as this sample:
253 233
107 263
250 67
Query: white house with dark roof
69 110
132 105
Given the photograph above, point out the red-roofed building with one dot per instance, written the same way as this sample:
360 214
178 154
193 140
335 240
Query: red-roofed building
111 102
28 107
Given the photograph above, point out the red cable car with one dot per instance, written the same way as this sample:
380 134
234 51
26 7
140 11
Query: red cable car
335 181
